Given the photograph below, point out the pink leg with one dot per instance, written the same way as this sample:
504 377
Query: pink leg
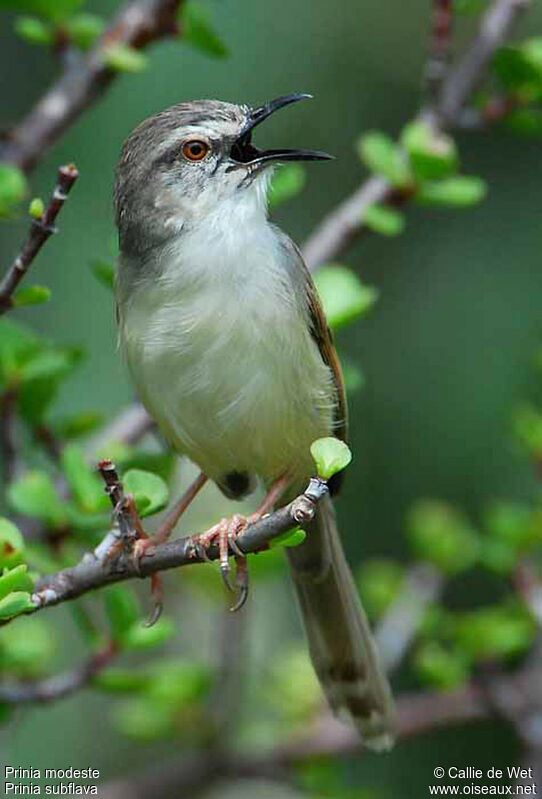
144 544
164 531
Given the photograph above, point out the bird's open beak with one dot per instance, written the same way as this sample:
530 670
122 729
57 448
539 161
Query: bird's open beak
244 152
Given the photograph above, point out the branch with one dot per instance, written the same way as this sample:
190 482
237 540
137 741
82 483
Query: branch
130 426
497 26
85 81
417 713
399 627
346 222
40 230
439 49
8 444
98 569
62 685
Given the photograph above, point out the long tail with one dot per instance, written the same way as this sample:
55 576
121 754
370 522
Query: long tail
341 644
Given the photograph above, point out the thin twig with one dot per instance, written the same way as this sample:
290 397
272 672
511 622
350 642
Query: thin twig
129 427
496 28
8 445
54 688
399 627
417 713
347 221
85 80
98 569
40 230
440 49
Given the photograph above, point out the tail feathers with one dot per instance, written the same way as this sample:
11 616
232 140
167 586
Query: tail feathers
341 644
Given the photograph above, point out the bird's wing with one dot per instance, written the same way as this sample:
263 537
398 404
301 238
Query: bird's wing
321 333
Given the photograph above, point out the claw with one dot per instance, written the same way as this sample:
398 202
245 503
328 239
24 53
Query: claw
225 572
201 552
157 592
235 548
243 596
241 581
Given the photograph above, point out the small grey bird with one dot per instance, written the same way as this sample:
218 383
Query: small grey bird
231 354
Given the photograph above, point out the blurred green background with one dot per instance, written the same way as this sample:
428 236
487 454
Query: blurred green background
447 353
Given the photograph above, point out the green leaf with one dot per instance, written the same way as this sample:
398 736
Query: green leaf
50 364
16 579
532 52
384 157
16 603
87 488
353 376
32 295
344 297
27 649
78 425
291 538
13 188
288 181
442 535
121 681
470 8
142 719
330 456
384 220
55 10
150 491
525 122
40 378
34 30
17 345
513 69
34 494
36 209
180 682
197 30
432 153
458 192
292 687
528 429
380 582
123 58
11 544
140 637
104 271
495 631
441 667
84 29
122 610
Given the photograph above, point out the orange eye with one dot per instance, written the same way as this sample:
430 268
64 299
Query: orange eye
195 149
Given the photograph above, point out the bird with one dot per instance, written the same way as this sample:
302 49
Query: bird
228 347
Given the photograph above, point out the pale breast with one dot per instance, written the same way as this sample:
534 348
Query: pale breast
220 350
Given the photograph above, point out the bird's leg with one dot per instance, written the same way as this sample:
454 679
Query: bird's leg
145 544
225 534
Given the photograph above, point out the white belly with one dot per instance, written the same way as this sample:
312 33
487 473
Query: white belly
224 361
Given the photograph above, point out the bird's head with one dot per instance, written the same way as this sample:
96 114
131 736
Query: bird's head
177 167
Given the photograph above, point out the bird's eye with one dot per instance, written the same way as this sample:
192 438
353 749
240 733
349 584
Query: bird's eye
195 149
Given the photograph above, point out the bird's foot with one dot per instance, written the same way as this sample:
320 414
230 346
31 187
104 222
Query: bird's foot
224 535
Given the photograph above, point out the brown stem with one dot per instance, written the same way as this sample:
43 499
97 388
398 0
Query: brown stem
337 230
84 81
40 230
98 569
440 48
